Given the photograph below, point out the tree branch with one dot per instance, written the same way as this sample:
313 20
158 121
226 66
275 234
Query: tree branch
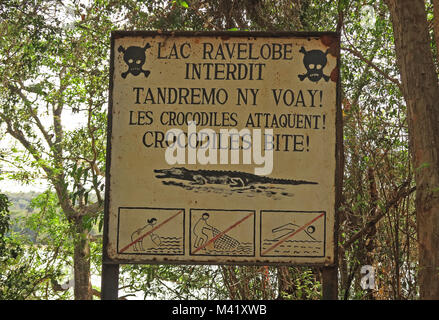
18 135
373 65
402 193
91 210
32 112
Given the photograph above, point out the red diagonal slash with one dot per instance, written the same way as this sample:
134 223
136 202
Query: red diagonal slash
219 235
150 231
292 234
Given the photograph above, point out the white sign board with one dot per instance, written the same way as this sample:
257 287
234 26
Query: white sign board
222 148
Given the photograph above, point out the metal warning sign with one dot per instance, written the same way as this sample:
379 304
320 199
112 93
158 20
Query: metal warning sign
222 148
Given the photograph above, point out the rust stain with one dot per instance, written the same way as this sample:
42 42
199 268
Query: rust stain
332 43
327 40
334 74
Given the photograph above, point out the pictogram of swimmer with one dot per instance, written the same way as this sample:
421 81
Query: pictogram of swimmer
201 230
155 239
289 228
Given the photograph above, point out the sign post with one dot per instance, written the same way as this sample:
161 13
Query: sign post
223 148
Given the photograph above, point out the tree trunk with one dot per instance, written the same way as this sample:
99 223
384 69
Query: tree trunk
436 23
421 92
81 261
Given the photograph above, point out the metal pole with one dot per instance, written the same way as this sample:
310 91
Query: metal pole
330 273
330 283
110 281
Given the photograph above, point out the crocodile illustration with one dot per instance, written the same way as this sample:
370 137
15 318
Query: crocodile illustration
234 179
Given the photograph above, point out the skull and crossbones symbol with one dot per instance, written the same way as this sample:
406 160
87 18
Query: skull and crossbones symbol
314 62
135 58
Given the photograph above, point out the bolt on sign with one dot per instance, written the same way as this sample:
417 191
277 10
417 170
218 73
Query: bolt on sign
222 148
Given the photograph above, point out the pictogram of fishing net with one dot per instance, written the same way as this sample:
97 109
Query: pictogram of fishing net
224 242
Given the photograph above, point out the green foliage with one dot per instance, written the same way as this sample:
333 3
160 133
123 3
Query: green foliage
173 282
304 286
4 214
30 265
